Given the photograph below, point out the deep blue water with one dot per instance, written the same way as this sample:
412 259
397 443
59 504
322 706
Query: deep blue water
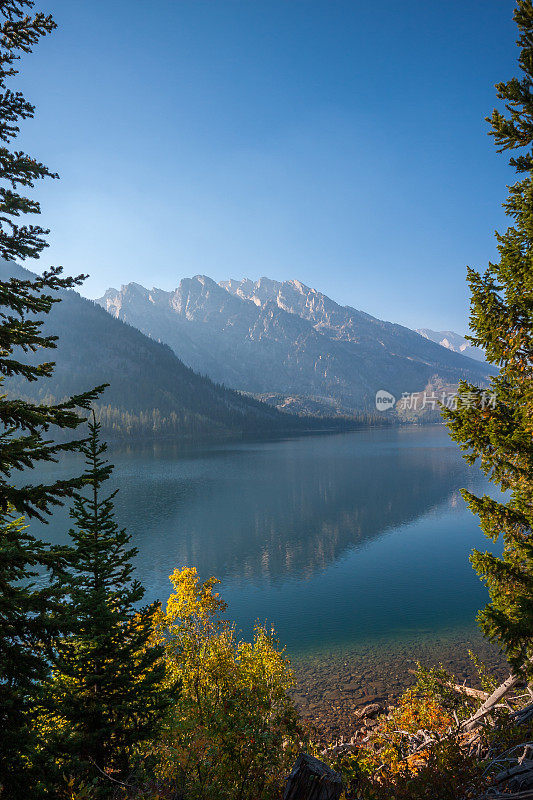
337 540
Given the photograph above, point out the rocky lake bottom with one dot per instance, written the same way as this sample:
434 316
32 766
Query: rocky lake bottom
332 689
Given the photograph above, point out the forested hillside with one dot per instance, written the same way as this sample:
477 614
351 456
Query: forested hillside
151 392
278 341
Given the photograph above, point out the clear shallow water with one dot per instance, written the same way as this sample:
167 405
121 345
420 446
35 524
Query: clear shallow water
339 541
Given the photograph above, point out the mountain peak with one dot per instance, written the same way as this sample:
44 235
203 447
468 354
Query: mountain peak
272 337
301 287
135 287
204 280
453 341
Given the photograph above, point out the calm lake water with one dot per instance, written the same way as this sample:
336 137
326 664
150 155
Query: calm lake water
339 541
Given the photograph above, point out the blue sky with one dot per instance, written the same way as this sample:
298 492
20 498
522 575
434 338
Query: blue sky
339 142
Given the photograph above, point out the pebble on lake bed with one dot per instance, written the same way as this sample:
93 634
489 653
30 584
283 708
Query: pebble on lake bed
334 692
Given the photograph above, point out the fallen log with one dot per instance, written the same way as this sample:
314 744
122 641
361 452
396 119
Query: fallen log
468 691
460 688
525 769
491 701
311 779
494 699
523 714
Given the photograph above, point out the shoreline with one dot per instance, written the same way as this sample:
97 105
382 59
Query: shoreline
332 687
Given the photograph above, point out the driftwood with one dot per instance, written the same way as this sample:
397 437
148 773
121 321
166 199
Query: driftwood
522 770
311 779
523 714
497 695
460 688
491 701
469 692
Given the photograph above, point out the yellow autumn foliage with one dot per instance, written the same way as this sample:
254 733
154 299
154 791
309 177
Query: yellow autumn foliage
234 731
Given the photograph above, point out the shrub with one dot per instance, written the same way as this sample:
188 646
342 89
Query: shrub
234 731
390 765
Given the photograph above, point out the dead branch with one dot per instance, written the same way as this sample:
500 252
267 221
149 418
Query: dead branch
523 714
491 701
461 688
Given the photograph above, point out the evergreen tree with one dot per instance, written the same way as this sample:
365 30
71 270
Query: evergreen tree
28 617
109 678
26 614
23 424
496 425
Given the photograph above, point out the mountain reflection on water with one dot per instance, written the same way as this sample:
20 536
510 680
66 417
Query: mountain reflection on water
274 510
285 509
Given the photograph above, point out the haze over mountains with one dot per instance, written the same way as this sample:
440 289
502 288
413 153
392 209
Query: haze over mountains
453 341
151 391
288 343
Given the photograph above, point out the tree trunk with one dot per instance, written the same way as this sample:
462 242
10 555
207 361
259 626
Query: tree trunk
311 779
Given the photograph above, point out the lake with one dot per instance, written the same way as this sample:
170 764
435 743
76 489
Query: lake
354 546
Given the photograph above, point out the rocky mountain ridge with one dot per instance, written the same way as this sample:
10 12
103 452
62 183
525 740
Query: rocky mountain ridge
151 392
453 341
284 339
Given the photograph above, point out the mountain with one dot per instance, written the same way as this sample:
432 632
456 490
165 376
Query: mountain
151 391
288 343
453 341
